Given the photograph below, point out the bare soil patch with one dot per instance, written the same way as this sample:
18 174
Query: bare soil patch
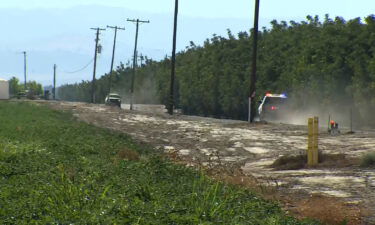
329 210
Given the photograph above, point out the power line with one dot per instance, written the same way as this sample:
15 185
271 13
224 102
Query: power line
83 68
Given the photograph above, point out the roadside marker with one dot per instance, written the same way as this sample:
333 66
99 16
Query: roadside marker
312 142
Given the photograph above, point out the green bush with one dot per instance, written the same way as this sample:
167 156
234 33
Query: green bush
368 160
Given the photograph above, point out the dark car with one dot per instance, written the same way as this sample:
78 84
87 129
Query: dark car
272 107
113 99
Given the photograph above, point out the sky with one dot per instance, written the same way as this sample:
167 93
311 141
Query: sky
56 31
215 8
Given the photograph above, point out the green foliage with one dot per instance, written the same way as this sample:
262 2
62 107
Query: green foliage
145 91
328 63
56 170
15 87
368 160
34 88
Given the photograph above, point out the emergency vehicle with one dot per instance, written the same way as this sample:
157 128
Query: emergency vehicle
272 106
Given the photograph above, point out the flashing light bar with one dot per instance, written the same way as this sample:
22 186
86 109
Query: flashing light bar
283 95
277 95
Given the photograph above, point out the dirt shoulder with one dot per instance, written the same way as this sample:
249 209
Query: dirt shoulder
253 148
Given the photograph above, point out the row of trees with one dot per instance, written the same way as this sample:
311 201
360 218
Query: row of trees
327 63
15 87
145 90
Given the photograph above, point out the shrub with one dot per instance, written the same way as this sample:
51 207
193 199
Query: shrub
368 160
290 162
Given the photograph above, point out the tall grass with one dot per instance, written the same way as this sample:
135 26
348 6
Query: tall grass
56 170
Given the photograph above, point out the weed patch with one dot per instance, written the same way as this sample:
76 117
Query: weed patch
368 160
128 154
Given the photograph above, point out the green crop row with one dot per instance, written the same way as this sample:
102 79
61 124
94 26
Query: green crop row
56 170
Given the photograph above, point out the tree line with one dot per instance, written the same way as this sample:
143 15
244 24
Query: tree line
15 87
329 64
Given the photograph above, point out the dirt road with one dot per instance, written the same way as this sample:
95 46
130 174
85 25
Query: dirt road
254 147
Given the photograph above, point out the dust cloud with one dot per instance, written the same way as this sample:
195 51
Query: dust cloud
344 113
145 92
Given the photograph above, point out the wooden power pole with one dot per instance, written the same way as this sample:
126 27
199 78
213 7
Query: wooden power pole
116 28
95 58
25 67
173 65
54 82
253 78
135 57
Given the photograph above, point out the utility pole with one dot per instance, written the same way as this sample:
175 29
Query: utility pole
253 78
95 58
141 57
54 82
173 66
25 66
113 56
137 21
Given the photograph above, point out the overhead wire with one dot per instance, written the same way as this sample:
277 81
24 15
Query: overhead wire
83 68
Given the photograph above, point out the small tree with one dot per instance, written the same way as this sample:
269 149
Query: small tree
14 86
35 87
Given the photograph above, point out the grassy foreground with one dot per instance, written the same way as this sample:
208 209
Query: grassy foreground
56 170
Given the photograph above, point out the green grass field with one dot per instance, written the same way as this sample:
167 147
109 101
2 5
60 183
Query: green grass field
56 170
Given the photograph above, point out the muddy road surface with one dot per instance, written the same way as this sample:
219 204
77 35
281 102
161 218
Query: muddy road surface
253 147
